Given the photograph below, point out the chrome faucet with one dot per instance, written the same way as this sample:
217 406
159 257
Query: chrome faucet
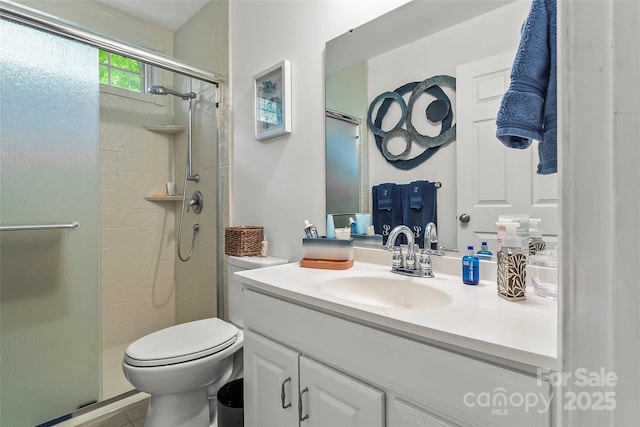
431 239
409 265
393 235
430 234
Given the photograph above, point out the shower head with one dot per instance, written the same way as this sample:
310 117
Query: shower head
161 90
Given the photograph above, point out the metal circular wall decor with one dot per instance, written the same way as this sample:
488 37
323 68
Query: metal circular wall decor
438 111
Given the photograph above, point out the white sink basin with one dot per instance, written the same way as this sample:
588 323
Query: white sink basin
384 290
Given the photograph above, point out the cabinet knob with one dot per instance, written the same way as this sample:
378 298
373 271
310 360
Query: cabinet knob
300 417
283 394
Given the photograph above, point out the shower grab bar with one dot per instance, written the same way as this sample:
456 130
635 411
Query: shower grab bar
73 225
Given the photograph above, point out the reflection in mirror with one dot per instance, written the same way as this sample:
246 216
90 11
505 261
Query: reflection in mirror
345 164
480 178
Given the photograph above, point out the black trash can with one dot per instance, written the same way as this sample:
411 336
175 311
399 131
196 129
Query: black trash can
231 404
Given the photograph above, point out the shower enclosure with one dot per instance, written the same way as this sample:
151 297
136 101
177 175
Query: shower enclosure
49 297
87 244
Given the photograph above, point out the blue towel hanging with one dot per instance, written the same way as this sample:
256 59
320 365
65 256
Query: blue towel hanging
419 207
387 209
528 110
385 194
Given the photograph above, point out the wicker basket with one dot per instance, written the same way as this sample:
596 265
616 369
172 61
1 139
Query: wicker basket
243 241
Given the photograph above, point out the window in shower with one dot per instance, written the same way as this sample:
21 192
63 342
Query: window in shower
124 73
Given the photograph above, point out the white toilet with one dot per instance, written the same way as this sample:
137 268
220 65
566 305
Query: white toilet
183 365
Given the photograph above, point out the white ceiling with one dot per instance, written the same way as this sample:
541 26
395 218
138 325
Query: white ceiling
170 14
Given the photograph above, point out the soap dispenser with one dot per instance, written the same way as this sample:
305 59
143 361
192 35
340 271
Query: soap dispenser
512 264
470 268
310 230
536 243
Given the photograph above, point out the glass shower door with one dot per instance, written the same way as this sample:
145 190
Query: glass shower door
49 278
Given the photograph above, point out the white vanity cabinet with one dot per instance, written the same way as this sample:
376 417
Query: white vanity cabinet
270 383
386 378
277 396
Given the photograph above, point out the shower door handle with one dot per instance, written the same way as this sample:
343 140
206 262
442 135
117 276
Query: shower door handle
73 225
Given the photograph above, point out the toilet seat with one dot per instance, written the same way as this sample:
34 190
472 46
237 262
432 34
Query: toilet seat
181 343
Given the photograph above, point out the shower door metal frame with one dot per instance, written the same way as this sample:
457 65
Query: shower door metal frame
44 21
40 20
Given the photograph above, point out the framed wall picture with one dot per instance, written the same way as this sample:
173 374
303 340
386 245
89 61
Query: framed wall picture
272 98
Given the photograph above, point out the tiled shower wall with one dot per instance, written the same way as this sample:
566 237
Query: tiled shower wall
137 236
196 279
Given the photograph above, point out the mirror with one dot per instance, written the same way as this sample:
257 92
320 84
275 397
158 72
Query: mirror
412 43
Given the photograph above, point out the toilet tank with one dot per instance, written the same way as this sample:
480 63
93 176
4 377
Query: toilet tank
234 290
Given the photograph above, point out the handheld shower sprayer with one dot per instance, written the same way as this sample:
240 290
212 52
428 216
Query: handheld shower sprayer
161 90
188 96
196 201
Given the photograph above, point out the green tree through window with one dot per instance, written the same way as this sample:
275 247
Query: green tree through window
120 71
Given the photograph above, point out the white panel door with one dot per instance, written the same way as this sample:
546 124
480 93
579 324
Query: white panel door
331 399
494 179
270 383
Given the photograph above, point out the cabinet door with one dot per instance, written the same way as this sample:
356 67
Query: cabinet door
404 414
270 383
331 399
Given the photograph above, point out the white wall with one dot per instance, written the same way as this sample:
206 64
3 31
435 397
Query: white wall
278 183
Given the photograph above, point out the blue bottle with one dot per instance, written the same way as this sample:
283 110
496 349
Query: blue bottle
484 252
470 268
353 225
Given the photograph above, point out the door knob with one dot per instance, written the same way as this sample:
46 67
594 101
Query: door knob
464 218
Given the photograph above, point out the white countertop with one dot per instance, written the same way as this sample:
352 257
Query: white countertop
477 319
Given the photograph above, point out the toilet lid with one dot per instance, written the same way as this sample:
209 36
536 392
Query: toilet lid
181 343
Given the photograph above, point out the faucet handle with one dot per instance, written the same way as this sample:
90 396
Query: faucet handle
410 262
425 263
441 251
397 260
431 233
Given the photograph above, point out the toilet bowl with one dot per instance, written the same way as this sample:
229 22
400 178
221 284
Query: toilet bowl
178 366
183 366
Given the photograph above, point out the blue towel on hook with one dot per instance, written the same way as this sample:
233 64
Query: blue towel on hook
528 110
385 196
416 194
419 207
387 209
